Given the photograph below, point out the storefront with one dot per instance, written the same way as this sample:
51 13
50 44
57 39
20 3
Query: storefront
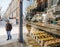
41 33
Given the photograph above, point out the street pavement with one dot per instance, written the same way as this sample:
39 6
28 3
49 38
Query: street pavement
3 35
14 33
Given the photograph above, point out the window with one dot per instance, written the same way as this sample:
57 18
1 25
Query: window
53 2
58 2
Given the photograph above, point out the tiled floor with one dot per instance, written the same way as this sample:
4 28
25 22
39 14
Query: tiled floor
14 44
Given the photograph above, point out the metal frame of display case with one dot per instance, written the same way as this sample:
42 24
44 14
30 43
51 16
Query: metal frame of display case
21 22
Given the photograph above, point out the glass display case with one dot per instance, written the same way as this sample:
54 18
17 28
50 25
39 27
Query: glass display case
46 35
43 29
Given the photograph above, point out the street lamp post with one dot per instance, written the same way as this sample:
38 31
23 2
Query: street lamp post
21 21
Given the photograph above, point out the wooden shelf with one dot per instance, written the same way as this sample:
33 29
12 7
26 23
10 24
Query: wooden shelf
49 28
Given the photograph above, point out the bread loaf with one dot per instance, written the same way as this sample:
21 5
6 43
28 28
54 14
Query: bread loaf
52 42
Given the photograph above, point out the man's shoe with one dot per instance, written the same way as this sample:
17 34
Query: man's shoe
7 39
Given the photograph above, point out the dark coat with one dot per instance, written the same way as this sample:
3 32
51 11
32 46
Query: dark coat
8 27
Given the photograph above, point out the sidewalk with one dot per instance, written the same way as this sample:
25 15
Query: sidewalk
12 43
3 35
15 34
3 38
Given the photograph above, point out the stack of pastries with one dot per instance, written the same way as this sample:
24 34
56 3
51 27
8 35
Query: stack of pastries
43 39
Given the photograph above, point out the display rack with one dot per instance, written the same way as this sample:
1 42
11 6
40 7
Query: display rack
49 28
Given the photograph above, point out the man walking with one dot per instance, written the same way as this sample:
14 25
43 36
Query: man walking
8 29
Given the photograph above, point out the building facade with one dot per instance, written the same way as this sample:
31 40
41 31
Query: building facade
51 7
13 11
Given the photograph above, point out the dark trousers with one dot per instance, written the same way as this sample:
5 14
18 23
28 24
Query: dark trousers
9 35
